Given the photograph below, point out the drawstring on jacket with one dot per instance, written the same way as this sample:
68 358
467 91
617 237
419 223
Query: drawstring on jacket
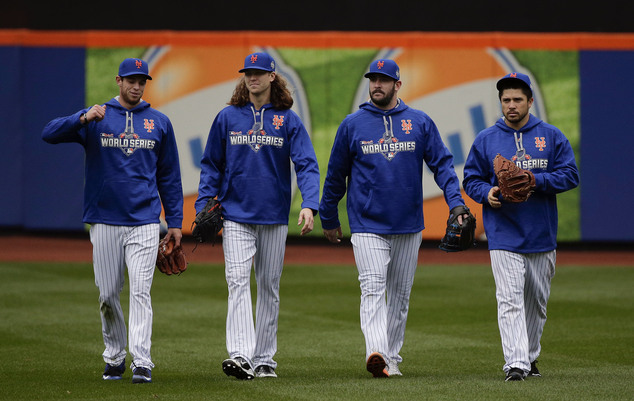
521 152
257 125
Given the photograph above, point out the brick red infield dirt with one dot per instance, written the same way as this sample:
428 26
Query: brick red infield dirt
308 251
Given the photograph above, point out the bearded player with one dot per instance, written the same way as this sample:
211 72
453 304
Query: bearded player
377 157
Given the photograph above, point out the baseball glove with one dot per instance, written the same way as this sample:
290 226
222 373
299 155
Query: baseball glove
171 259
516 184
459 237
208 222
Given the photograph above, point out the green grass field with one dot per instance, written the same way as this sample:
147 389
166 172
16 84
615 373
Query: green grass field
51 338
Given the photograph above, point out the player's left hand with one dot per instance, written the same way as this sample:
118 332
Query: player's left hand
176 233
306 215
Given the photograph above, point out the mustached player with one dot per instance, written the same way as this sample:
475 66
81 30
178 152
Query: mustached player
521 236
247 165
377 157
131 168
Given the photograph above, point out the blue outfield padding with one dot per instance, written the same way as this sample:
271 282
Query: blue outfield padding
607 139
43 183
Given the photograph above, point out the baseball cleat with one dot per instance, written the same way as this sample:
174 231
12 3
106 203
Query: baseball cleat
114 372
393 370
141 375
238 368
265 371
376 365
534 371
515 374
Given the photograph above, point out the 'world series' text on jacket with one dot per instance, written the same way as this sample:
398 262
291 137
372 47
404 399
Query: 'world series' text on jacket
549 157
379 156
250 171
126 171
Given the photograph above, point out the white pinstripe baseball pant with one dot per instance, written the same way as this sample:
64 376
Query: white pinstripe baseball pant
262 246
522 283
114 248
386 265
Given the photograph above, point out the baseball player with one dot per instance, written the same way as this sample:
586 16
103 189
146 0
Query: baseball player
131 168
247 165
378 156
521 236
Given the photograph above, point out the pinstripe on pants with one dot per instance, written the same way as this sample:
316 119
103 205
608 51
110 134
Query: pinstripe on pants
522 283
262 246
386 265
114 248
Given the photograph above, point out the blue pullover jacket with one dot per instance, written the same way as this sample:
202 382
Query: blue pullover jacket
377 156
250 169
131 160
530 226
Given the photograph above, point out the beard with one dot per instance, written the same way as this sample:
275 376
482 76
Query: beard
516 118
386 100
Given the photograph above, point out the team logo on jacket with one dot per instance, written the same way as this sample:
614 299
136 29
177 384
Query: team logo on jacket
255 138
406 125
278 121
388 146
540 143
148 124
128 143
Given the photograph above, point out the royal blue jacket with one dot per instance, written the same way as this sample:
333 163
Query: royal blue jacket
127 174
250 171
378 157
530 226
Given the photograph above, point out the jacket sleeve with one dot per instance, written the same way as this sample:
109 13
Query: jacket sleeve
212 163
65 129
440 162
306 167
478 175
336 177
168 178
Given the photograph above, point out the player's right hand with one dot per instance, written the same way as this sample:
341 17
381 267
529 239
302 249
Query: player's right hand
493 199
96 112
334 235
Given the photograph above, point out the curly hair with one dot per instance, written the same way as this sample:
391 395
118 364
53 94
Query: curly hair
281 97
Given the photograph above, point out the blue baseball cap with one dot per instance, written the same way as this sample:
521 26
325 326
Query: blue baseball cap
133 66
259 61
385 67
515 76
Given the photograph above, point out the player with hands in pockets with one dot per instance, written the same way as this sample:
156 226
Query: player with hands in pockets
521 233
132 171
247 166
377 157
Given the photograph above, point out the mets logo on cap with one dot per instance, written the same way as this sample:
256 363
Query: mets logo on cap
259 61
385 67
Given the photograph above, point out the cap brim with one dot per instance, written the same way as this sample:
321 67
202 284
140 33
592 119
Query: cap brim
143 75
255 68
368 74
520 81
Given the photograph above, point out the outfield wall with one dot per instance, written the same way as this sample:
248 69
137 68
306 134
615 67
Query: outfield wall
582 85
